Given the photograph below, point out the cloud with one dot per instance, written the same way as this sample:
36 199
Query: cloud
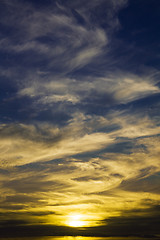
56 90
150 184
75 183
135 125
74 44
143 223
50 95
138 225
46 143
35 185
79 129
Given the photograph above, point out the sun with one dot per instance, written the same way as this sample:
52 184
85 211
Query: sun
75 220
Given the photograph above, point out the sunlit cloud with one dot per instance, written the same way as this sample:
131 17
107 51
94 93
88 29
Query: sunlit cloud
33 145
79 119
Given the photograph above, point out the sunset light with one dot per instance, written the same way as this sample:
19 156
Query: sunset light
75 221
79 119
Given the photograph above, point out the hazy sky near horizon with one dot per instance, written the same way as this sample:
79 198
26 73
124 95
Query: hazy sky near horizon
79 113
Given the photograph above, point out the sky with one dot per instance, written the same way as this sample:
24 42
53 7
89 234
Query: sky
79 117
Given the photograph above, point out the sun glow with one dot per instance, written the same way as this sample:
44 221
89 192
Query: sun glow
75 221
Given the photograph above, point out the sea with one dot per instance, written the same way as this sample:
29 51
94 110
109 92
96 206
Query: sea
78 238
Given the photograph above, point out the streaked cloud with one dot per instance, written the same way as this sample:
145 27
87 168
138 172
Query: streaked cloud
79 119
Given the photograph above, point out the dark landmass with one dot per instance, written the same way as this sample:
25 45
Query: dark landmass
51 230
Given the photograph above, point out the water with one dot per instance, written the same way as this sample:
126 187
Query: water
77 238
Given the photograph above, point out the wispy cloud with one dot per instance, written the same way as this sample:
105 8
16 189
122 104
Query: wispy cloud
26 140
79 124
